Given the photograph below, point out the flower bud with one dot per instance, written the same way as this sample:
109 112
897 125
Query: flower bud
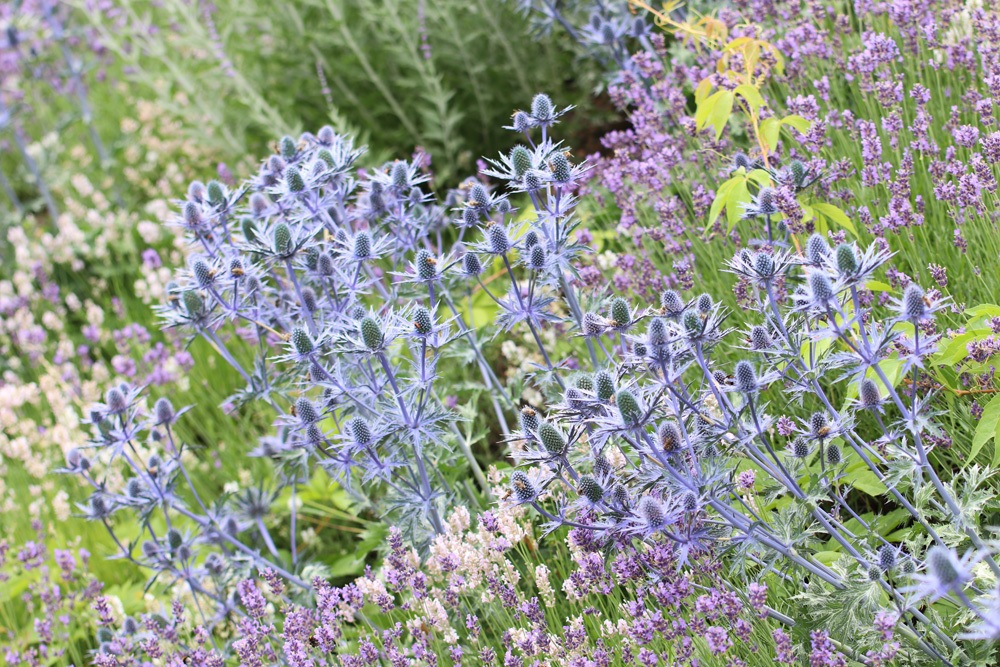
620 313
360 431
552 439
306 411
562 172
590 489
817 249
362 245
913 307
288 147
760 339
426 265
584 382
529 421
670 436
886 557
194 305
422 321
671 302
541 108
471 264
521 160
216 193
746 377
371 333
604 385
282 236
116 401
522 487
400 175
301 341
164 411
536 258
833 454
847 259
628 406
869 394
499 243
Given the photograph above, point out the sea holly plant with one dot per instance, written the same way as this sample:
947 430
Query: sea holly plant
663 437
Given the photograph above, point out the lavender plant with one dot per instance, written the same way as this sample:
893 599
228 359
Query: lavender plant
661 440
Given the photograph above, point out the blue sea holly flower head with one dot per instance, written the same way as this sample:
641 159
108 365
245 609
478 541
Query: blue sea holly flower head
944 573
